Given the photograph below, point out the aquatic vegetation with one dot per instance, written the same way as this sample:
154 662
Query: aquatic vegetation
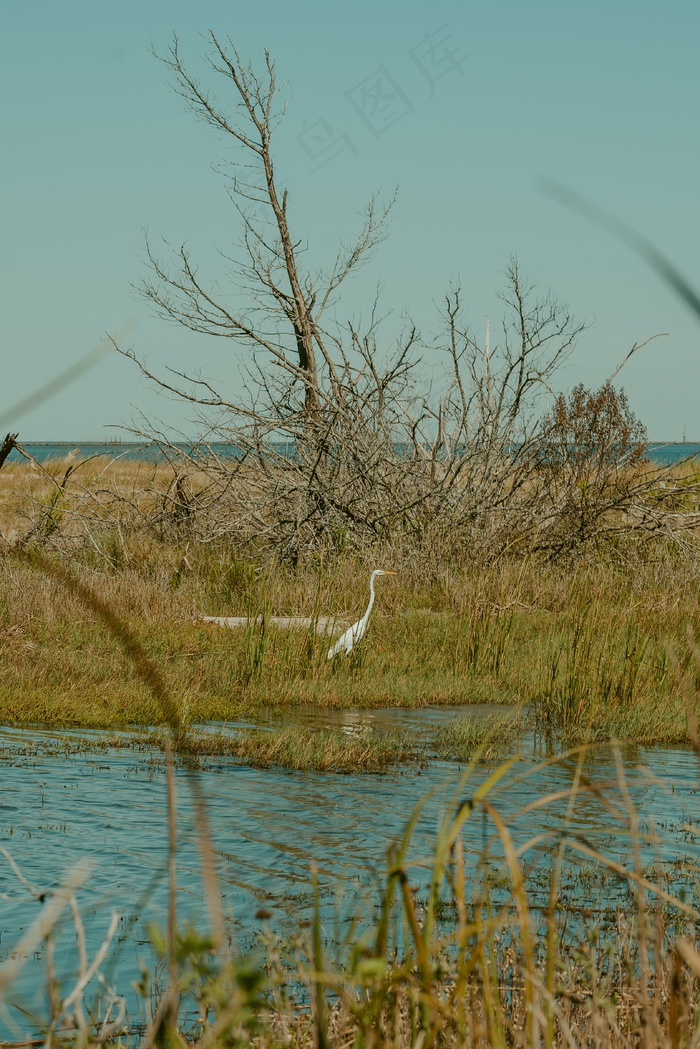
306 750
465 738
545 940
585 645
506 952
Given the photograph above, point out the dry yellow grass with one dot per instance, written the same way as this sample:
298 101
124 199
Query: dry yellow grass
586 642
596 645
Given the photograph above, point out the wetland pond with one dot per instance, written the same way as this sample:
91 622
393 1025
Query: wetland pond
64 797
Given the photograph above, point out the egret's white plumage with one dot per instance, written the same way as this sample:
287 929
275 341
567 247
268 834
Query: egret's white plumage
347 641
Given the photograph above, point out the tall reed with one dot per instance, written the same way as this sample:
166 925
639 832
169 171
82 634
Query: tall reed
468 960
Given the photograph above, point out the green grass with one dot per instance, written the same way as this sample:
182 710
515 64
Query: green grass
465 738
297 749
597 650
593 650
329 749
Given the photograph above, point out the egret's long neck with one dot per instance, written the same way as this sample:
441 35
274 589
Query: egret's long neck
371 596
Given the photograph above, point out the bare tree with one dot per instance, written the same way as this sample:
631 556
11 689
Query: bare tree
284 305
333 440
313 386
8 444
486 424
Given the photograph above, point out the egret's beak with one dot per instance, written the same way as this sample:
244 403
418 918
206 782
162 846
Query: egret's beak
389 573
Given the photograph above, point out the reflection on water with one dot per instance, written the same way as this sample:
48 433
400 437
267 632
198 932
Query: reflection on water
389 719
271 826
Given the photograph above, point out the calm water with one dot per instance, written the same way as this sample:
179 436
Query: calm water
270 827
658 452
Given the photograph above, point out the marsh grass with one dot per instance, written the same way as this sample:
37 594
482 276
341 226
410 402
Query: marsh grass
303 750
353 748
583 642
595 669
465 738
476 959
585 645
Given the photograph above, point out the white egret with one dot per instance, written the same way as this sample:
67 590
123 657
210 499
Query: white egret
347 641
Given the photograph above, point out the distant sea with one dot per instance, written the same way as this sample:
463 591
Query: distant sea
657 451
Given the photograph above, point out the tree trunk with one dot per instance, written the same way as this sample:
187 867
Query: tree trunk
7 445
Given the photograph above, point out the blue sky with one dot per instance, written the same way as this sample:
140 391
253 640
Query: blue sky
96 146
